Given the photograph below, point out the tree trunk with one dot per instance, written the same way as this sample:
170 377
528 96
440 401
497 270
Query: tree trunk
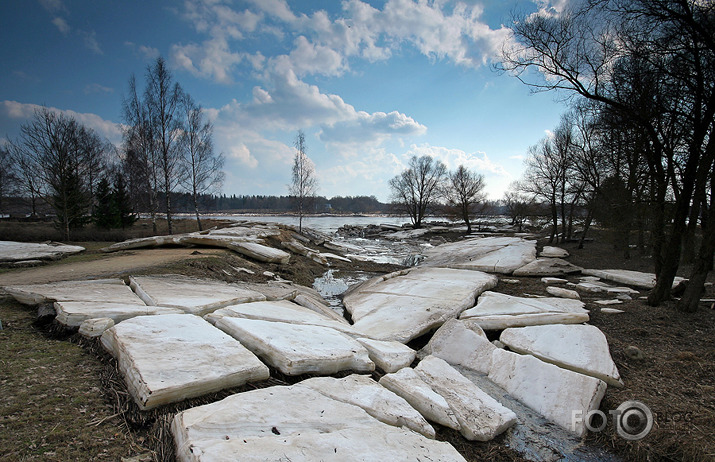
554 224
196 209
689 236
703 265
589 217
168 210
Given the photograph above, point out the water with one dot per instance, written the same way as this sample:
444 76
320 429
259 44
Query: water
328 224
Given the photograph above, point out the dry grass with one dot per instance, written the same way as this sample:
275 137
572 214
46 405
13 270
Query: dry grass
52 404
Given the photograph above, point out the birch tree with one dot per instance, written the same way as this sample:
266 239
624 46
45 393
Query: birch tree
201 167
304 183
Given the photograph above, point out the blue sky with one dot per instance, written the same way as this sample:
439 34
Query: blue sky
370 82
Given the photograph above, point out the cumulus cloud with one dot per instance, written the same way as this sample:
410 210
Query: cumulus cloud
22 112
211 59
325 45
453 158
366 128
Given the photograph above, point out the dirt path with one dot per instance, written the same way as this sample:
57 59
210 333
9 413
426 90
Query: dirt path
107 265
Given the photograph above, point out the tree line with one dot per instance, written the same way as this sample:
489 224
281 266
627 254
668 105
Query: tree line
167 147
636 151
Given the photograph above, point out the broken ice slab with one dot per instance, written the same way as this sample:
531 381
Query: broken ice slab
172 357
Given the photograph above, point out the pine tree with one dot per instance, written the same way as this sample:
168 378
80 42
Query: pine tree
104 216
124 215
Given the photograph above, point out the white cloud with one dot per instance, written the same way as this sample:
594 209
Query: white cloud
97 88
90 41
146 52
309 58
212 59
25 111
368 174
324 45
478 162
61 25
370 128
53 6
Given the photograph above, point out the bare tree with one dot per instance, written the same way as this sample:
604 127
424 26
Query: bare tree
163 98
464 191
651 62
304 183
8 177
518 205
201 167
547 176
417 188
141 159
50 148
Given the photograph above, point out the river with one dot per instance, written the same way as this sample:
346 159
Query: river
328 224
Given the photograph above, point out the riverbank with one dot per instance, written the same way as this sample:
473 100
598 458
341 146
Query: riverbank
674 376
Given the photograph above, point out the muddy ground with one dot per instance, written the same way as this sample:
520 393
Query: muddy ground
61 399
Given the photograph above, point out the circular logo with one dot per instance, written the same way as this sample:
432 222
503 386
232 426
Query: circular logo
634 420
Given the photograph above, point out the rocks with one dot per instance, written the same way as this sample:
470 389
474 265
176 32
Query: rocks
563 293
495 311
547 267
491 254
631 278
298 349
194 296
388 356
463 343
480 416
550 390
376 400
299 424
168 358
406 304
26 251
635 353
553 252
73 314
98 290
580 348
408 384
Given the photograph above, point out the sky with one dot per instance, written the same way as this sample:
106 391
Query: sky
371 83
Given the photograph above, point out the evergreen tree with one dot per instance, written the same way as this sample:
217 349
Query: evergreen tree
104 215
124 215
70 201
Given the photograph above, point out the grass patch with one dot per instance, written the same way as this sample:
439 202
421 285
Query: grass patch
52 405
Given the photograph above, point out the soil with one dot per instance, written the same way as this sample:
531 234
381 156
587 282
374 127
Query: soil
61 399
